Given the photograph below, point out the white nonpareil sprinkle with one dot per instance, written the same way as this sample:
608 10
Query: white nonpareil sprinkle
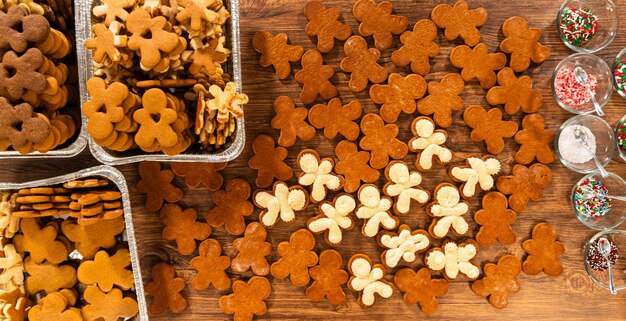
573 151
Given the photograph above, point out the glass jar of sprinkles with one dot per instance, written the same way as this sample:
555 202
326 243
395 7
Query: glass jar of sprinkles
592 202
587 25
596 265
619 73
620 137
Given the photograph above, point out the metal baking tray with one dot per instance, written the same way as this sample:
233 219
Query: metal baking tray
117 178
84 20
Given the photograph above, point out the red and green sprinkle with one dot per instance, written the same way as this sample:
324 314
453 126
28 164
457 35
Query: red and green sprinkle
620 76
620 133
593 207
596 261
578 25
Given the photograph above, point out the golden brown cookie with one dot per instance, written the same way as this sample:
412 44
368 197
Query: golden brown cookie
269 161
460 21
336 118
478 63
165 290
211 267
488 126
88 239
56 306
381 141
523 44
535 141
499 280
157 185
543 251
398 95
417 48
252 251
318 174
377 21
247 299
41 243
525 183
110 305
333 218
207 174
181 226
315 78
48 277
367 279
281 203
107 271
231 206
354 166
328 278
275 51
361 62
419 288
443 98
324 23
495 219
296 257
515 93
291 122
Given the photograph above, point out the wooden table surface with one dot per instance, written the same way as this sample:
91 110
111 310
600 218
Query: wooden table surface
571 295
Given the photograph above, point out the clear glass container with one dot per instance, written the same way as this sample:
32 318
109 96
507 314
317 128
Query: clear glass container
601 276
620 58
567 147
607 24
592 202
621 146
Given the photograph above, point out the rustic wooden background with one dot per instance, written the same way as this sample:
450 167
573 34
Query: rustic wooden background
571 295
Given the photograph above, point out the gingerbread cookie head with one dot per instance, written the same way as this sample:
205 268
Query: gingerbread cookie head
398 95
318 174
252 251
402 245
478 63
269 161
374 209
535 141
443 98
418 47
334 218
282 202
543 251
247 299
324 23
515 93
447 210
353 165
419 288
381 141
495 219
523 44
377 21
231 206
403 185
275 51
489 127
336 118
368 280
460 21
453 258
428 143
499 280
328 278
525 183
297 256
361 62
291 122
477 172
315 78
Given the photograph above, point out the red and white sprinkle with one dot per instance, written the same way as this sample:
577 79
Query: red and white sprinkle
570 92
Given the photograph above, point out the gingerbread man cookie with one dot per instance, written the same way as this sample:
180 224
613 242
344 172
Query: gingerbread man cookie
443 98
182 227
315 78
460 21
404 187
269 161
336 118
157 185
368 280
48 277
108 306
211 267
453 258
247 299
495 219
107 271
402 245
165 290
354 166
476 172
318 174
231 206
428 143
207 174
381 141
296 257
543 251
12 267
56 306
535 141
252 251
523 44
525 183
478 63
275 51
419 288
324 23
291 122
334 218
398 95
489 127
41 243
417 47
282 202
447 210
361 62
377 21
515 93
88 239
328 277
374 209
499 281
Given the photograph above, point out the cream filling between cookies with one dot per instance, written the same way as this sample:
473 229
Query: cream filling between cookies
454 260
367 279
317 175
404 246
403 183
284 203
336 218
374 211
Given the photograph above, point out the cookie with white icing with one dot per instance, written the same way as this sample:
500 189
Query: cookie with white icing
334 218
318 173
374 209
282 202
453 258
477 172
447 209
402 245
368 280
429 144
403 185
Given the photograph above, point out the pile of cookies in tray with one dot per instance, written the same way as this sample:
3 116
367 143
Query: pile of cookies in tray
37 76
367 184
64 253
160 79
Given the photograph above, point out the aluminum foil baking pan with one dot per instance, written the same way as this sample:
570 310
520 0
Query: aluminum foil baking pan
84 20
117 178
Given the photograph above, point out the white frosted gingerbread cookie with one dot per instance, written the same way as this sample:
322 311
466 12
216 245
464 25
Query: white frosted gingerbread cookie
478 171
334 218
318 174
453 259
281 203
404 186
447 209
368 280
374 209
402 245
428 143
